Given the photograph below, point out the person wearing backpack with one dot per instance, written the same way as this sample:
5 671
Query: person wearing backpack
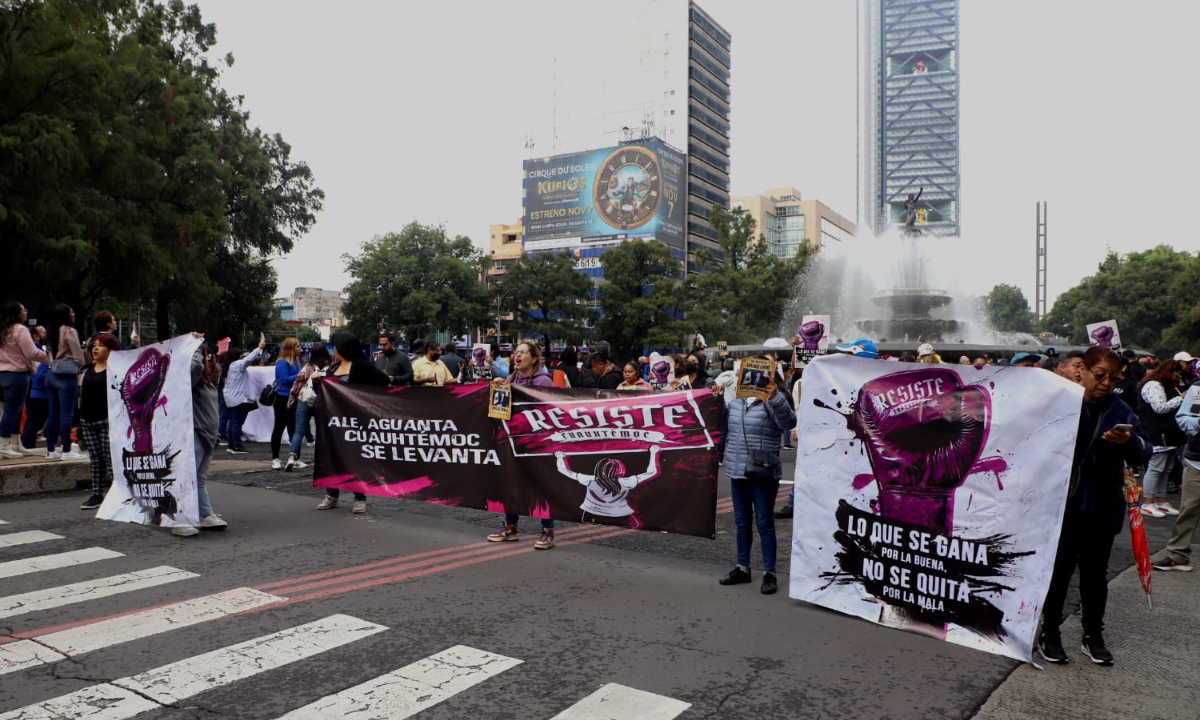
303 398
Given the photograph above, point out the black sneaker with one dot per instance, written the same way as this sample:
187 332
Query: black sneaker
1094 648
237 451
784 512
92 503
1169 564
736 576
769 586
1050 647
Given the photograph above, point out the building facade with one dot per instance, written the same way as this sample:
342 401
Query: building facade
784 221
664 72
909 115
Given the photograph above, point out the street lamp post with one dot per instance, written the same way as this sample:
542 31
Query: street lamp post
499 301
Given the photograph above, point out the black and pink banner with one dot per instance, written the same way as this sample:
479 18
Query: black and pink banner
638 460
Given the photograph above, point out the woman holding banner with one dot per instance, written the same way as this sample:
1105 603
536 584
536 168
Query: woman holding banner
206 376
237 393
350 366
1109 437
527 371
93 417
754 468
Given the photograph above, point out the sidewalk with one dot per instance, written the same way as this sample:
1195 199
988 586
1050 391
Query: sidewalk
1157 659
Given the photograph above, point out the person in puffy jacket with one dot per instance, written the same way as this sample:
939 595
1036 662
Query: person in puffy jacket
529 370
1110 436
754 468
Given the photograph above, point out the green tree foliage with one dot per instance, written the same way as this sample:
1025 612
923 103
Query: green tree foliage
1008 310
128 174
417 281
549 295
741 299
1152 295
641 298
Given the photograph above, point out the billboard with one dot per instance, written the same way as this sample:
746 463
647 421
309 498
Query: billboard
615 193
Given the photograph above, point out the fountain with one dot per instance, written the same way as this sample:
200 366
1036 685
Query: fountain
902 288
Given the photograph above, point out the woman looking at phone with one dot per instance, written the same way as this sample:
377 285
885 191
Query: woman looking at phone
1109 437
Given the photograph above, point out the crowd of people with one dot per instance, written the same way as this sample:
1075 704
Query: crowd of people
1137 415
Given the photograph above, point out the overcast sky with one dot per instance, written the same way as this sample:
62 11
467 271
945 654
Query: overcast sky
420 111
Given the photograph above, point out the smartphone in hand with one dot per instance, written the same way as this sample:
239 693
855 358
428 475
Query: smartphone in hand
1123 426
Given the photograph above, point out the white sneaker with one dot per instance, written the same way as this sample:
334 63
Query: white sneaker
52 455
184 531
1166 509
291 463
360 507
300 464
9 451
72 455
213 522
1152 511
276 465
24 450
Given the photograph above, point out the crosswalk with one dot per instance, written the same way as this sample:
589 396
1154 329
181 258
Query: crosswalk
418 685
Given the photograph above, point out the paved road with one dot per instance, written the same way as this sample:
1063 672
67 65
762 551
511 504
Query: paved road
301 607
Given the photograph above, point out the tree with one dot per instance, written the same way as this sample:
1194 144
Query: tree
641 298
417 281
1151 295
1008 310
741 298
549 295
127 173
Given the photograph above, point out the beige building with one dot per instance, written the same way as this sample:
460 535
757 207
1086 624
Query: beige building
784 221
505 245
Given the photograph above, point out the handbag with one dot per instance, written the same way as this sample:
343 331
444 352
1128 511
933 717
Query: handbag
64 367
268 395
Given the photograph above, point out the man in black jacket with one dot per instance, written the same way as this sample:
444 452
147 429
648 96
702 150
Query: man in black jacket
608 377
392 362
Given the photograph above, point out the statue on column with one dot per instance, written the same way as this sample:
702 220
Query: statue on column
910 212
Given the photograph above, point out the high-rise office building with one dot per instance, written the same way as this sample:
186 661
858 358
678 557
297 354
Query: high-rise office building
909 115
650 68
784 221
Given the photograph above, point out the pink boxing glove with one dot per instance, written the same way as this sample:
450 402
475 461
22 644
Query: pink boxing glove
1103 336
923 432
662 371
811 333
140 390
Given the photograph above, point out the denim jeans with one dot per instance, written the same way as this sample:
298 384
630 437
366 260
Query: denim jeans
334 492
754 500
35 420
15 386
62 392
236 420
304 412
1154 482
203 458
512 519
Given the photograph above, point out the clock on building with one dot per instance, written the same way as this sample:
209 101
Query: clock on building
628 186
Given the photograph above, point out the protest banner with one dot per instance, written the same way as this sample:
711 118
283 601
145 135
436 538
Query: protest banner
753 376
645 461
932 499
150 435
813 332
1104 334
480 365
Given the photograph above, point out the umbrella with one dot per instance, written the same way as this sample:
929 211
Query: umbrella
1141 549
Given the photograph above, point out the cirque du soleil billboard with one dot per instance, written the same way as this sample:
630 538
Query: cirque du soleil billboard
631 191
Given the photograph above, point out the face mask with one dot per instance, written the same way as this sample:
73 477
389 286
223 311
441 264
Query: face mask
690 367
435 357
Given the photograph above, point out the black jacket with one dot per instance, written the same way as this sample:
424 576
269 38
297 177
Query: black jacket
1098 477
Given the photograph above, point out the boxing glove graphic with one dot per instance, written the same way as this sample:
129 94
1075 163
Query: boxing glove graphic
1103 336
923 432
140 390
811 333
662 371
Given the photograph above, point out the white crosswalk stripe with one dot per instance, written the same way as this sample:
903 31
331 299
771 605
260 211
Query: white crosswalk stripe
13 568
22 654
617 702
24 538
170 684
3 522
407 691
14 605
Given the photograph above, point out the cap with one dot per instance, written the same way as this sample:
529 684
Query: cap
1021 356
924 350
777 343
861 347
1182 356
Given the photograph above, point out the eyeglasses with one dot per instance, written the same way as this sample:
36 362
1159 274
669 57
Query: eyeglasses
520 352
1101 378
